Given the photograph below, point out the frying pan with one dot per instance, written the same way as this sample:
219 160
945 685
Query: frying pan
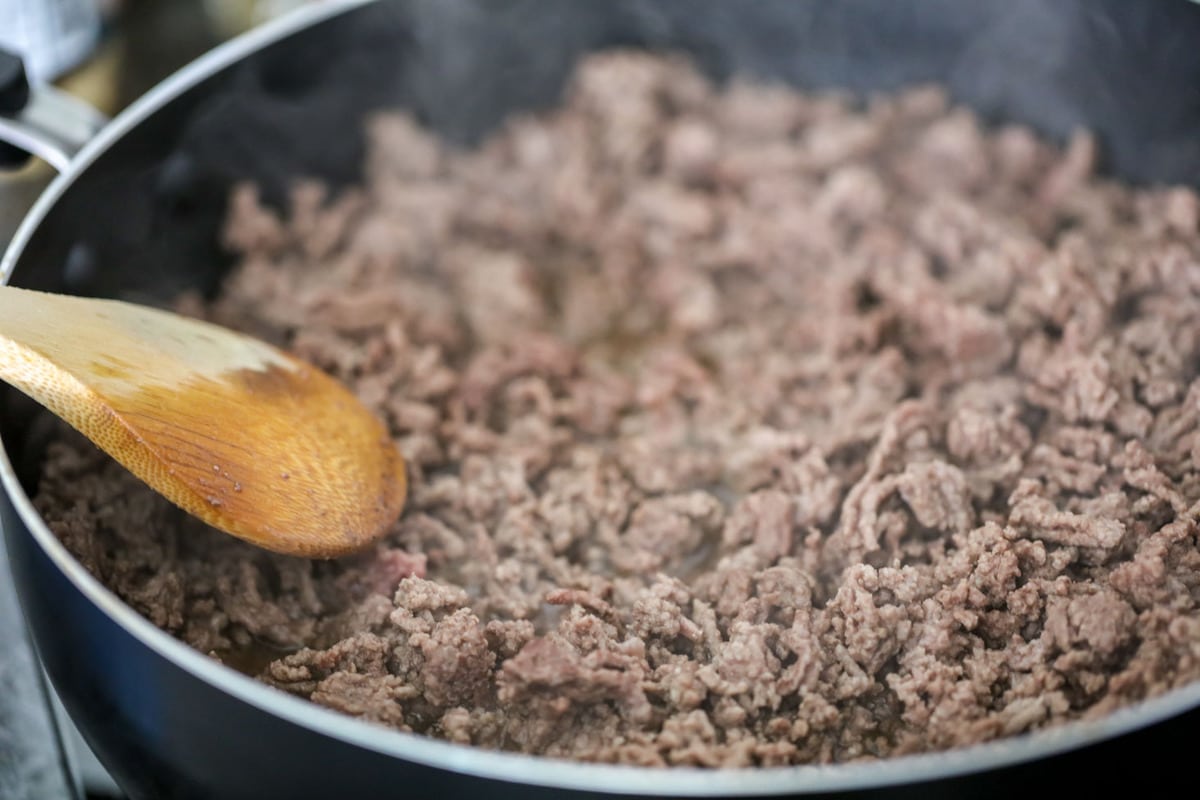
135 214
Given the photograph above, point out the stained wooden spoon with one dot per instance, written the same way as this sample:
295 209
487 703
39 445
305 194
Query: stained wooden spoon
245 437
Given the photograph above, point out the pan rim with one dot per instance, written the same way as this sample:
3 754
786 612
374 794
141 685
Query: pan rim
468 759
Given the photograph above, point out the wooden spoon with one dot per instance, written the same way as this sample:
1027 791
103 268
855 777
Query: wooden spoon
235 432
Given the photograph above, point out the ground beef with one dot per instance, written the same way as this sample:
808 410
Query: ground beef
744 427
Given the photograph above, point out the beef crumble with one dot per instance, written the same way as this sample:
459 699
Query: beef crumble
744 427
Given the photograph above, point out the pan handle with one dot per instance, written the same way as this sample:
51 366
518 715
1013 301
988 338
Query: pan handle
40 120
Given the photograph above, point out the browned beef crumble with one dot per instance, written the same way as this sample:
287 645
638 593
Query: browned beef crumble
745 428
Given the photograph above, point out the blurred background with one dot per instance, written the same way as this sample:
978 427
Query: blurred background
109 53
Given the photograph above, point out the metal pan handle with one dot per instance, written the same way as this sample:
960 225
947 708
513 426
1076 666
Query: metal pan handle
40 120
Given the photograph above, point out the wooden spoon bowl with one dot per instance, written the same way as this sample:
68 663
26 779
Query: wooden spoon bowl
249 439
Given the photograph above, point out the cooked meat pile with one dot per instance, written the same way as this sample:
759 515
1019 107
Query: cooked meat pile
745 428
